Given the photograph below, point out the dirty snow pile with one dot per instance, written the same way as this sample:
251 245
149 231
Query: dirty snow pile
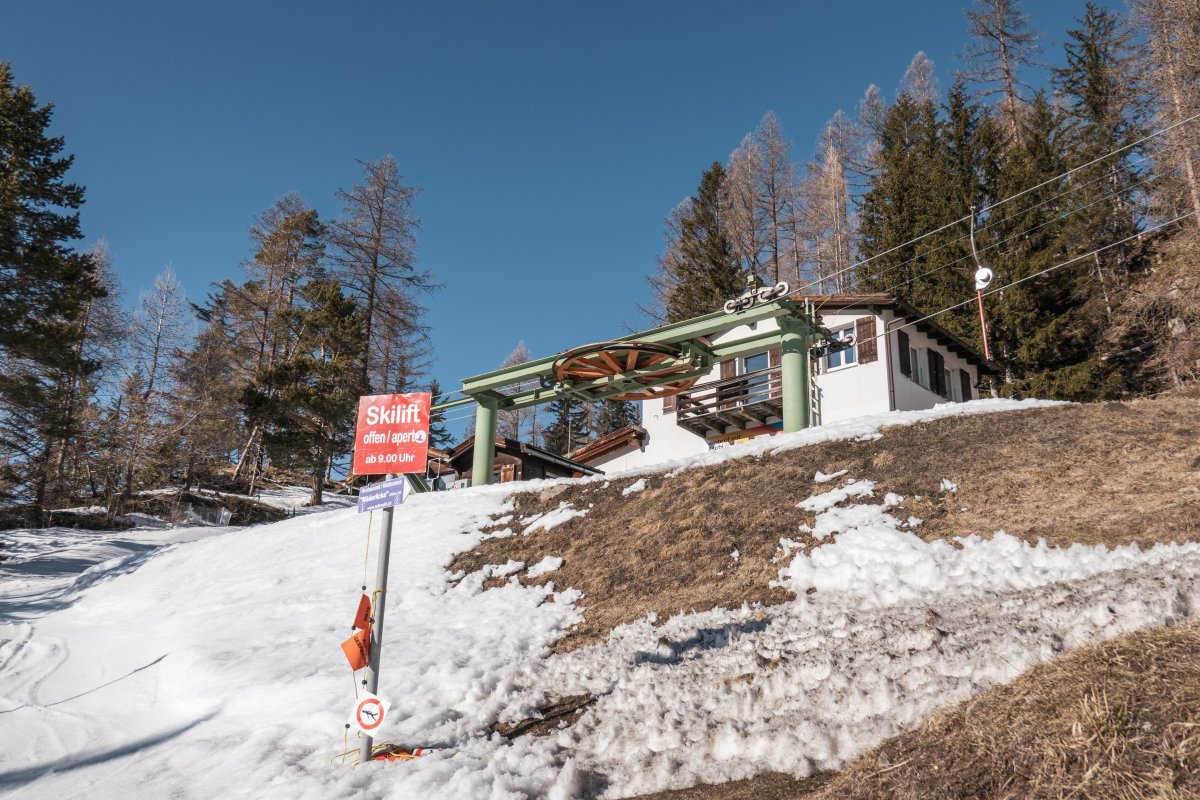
211 667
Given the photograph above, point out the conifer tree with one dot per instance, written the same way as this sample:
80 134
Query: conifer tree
1002 43
1104 114
306 403
439 437
613 415
569 429
913 194
206 412
1043 329
699 273
45 286
374 249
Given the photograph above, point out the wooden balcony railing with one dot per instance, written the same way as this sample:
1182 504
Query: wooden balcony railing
731 402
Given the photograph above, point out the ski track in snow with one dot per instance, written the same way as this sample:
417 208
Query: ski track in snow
210 667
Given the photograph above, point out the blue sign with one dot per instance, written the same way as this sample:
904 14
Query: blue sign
384 494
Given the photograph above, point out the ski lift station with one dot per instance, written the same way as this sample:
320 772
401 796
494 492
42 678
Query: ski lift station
770 361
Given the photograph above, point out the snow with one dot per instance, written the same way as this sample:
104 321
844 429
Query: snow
949 485
636 486
552 519
204 662
295 499
547 564
214 665
823 502
821 477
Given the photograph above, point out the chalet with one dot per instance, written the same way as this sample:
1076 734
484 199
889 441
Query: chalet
516 461
898 361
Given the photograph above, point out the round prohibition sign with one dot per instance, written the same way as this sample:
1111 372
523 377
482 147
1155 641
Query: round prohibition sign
369 714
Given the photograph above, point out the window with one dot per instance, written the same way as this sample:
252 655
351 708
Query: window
937 373
952 387
842 358
757 387
920 374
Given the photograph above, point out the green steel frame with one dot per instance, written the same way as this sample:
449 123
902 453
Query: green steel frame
698 356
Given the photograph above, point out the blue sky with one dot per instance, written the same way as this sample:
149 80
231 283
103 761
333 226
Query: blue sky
549 139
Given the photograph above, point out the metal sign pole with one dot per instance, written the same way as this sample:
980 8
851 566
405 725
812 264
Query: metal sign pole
371 682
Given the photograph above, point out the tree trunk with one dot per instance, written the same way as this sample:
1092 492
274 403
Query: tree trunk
318 484
243 459
39 492
1177 101
191 471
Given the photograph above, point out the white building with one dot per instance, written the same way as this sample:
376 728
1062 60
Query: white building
898 362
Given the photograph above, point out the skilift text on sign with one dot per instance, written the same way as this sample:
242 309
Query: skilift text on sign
392 434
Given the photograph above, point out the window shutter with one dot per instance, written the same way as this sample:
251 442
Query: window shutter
965 377
774 357
937 378
669 404
864 335
906 365
728 369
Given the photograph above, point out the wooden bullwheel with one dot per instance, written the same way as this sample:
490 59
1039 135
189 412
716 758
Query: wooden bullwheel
654 362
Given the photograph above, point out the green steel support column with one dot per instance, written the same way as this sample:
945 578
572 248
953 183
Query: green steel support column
485 441
795 375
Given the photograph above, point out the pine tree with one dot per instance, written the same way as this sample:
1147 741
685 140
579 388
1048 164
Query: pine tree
969 135
1043 329
375 250
613 415
439 437
307 402
206 412
45 287
914 194
100 342
1003 43
569 430
1104 115
702 270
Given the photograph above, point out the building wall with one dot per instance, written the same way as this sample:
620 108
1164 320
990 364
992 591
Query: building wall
845 392
852 391
627 457
911 395
664 439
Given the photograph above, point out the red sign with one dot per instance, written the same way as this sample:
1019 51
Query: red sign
392 433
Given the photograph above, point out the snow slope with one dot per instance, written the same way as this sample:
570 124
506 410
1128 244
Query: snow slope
211 667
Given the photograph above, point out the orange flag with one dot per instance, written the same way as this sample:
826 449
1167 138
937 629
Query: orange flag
362 617
358 648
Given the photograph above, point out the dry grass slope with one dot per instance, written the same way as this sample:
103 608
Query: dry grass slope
1113 473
